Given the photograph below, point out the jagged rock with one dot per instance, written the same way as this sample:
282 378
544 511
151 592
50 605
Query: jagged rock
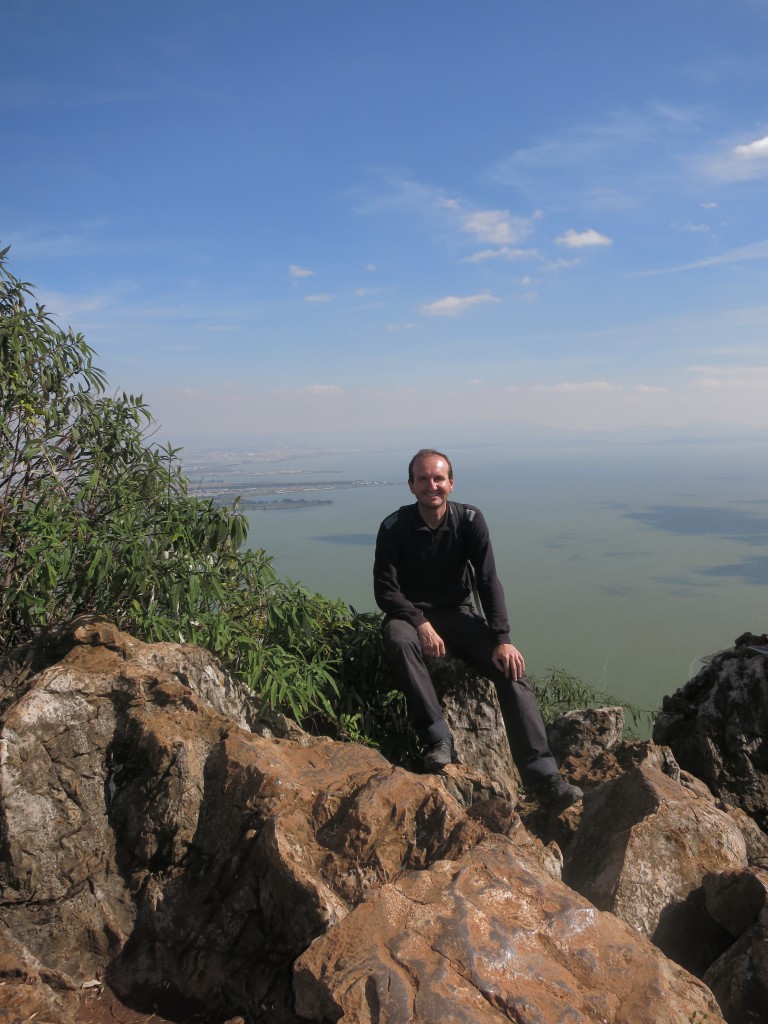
739 978
754 837
484 939
735 899
27 991
585 734
717 726
471 709
152 843
642 850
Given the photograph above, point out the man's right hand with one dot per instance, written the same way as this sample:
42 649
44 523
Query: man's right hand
431 642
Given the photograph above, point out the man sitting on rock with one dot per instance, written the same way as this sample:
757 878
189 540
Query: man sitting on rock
429 556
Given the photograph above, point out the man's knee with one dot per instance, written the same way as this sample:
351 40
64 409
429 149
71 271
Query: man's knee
399 636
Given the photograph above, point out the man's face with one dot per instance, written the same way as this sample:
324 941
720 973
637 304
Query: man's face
431 483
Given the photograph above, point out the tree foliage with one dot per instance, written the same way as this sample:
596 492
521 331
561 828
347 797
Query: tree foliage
95 517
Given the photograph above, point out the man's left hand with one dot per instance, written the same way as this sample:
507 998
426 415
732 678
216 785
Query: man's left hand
507 658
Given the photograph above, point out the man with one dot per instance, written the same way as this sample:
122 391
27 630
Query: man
428 557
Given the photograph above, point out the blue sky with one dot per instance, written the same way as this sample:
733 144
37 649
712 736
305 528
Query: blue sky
309 216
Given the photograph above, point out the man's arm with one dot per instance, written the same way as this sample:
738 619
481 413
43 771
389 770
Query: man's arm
489 586
506 656
386 586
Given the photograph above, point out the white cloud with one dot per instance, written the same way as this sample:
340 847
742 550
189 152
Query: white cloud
754 150
323 297
562 264
580 387
324 389
581 239
498 227
296 271
452 305
693 228
504 253
745 162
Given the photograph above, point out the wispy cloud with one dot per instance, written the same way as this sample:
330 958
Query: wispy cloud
499 227
609 163
321 297
452 305
324 389
504 253
582 239
296 271
757 251
581 387
457 217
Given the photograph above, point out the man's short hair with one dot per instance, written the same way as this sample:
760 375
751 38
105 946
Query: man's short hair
422 453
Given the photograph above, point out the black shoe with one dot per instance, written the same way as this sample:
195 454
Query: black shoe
557 794
439 754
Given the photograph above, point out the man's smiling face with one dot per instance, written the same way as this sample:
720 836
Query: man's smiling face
431 485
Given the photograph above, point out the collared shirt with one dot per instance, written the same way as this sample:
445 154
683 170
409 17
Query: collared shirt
418 569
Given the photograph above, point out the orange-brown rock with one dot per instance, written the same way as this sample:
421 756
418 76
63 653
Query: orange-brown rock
489 938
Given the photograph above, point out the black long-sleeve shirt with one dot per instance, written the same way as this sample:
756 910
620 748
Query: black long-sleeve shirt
417 569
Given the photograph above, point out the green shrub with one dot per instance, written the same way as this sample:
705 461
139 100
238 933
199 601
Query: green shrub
96 518
559 691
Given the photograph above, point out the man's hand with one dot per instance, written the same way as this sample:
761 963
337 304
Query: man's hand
431 642
509 660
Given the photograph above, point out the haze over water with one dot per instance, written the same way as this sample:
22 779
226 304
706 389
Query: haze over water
623 564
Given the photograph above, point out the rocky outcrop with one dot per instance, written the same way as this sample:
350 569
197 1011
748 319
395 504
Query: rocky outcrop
472 711
739 978
642 850
159 839
717 726
483 939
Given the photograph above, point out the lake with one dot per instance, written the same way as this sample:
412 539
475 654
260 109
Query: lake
623 564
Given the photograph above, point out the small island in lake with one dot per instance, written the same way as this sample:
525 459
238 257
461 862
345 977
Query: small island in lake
283 503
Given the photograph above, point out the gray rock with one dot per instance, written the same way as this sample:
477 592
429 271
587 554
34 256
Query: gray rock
717 726
739 978
735 899
472 712
586 733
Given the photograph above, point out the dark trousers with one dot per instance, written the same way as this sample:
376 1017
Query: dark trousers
468 638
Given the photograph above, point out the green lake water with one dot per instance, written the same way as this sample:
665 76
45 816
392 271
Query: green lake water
623 565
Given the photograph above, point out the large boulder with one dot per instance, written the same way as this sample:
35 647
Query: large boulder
738 900
484 939
153 842
739 978
717 726
643 848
